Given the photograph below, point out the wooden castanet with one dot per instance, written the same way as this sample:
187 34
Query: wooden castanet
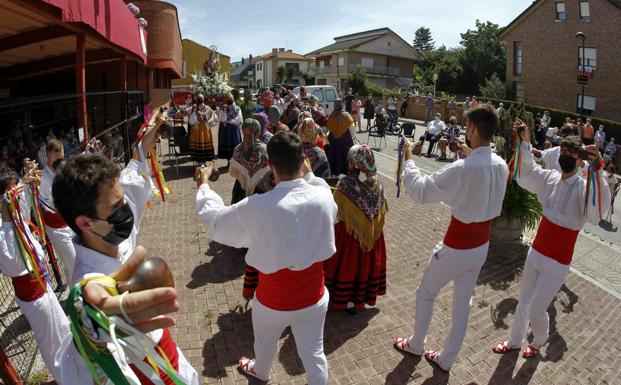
152 273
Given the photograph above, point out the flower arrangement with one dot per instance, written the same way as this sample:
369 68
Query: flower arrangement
210 82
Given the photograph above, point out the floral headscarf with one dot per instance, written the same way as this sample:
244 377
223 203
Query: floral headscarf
361 158
307 130
262 118
250 153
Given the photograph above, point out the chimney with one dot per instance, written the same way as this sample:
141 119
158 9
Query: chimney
289 50
250 58
281 50
243 61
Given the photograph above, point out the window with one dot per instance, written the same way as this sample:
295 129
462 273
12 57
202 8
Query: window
585 11
518 91
587 59
295 66
184 66
341 61
319 94
366 62
589 104
330 95
561 15
517 58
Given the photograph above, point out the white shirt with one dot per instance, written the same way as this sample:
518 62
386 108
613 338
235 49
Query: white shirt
563 204
550 161
552 132
436 127
223 117
474 187
290 227
11 263
42 156
45 188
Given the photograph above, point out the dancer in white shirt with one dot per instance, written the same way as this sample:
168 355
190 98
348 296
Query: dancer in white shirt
474 188
291 288
59 234
35 298
562 195
104 207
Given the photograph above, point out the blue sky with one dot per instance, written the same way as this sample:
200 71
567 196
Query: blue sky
242 27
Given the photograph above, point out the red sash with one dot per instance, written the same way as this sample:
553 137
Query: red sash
168 346
52 219
464 236
27 288
555 241
288 290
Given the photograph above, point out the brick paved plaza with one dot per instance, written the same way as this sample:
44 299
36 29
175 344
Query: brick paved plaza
214 332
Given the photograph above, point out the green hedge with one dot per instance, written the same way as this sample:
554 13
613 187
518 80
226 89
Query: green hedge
612 128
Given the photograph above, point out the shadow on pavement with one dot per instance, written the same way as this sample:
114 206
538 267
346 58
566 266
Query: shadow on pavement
404 372
504 263
227 264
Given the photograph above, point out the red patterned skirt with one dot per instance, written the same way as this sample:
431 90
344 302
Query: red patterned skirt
354 275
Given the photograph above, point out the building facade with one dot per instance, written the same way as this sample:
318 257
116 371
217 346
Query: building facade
266 68
242 74
545 56
194 56
386 57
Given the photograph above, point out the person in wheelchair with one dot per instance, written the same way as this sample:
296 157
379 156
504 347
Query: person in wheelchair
449 138
433 133
381 118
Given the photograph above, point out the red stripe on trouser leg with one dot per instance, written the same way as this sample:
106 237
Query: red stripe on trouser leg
168 346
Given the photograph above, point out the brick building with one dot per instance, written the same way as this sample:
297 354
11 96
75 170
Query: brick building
544 56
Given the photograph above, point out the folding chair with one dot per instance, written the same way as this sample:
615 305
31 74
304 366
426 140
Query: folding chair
378 130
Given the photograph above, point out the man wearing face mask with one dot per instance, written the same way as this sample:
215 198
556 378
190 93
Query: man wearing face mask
474 188
550 156
566 208
59 234
434 129
104 206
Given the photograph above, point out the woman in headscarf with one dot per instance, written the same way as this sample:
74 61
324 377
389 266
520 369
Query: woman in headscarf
274 119
201 120
230 116
341 136
290 116
307 131
356 273
249 162
265 135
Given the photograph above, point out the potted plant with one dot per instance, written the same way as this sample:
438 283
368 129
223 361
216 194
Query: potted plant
520 209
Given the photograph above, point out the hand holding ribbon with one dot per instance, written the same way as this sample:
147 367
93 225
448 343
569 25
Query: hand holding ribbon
520 133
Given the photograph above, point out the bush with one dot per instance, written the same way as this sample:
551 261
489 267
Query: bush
375 90
246 107
521 205
493 88
357 80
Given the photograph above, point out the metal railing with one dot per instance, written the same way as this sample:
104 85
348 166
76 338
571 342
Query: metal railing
373 70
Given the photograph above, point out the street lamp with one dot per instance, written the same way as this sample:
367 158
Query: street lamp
435 79
581 35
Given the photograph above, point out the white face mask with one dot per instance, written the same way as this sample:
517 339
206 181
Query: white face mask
437 119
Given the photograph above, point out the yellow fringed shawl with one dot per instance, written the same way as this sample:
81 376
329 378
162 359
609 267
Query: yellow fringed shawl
357 224
339 124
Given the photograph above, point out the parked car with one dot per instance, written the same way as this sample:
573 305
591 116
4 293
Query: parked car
326 95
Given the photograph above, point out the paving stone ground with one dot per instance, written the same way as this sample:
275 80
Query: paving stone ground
214 331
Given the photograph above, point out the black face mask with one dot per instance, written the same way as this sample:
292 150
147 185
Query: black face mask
122 221
567 163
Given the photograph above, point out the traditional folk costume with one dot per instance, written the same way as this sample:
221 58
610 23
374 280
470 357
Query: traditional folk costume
249 162
357 272
550 161
57 231
33 292
88 261
567 205
291 288
265 135
308 132
202 119
474 187
229 133
342 132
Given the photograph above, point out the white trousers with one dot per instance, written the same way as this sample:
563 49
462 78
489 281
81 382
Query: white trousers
62 240
541 280
445 265
307 328
50 326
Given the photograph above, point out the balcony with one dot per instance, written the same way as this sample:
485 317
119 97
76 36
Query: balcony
374 70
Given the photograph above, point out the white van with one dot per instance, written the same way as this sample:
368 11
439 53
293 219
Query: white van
326 95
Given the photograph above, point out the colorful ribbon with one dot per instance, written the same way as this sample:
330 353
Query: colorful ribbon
400 161
160 182
94 332
515 164
27 251
594 188
38 215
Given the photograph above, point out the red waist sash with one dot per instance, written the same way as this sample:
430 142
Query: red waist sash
27 288
168 346
555 241
52 219
464 236
288 290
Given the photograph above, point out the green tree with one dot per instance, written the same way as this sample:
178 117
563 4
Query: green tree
357 80
290 72
493 88
281 72
423 41
483 56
